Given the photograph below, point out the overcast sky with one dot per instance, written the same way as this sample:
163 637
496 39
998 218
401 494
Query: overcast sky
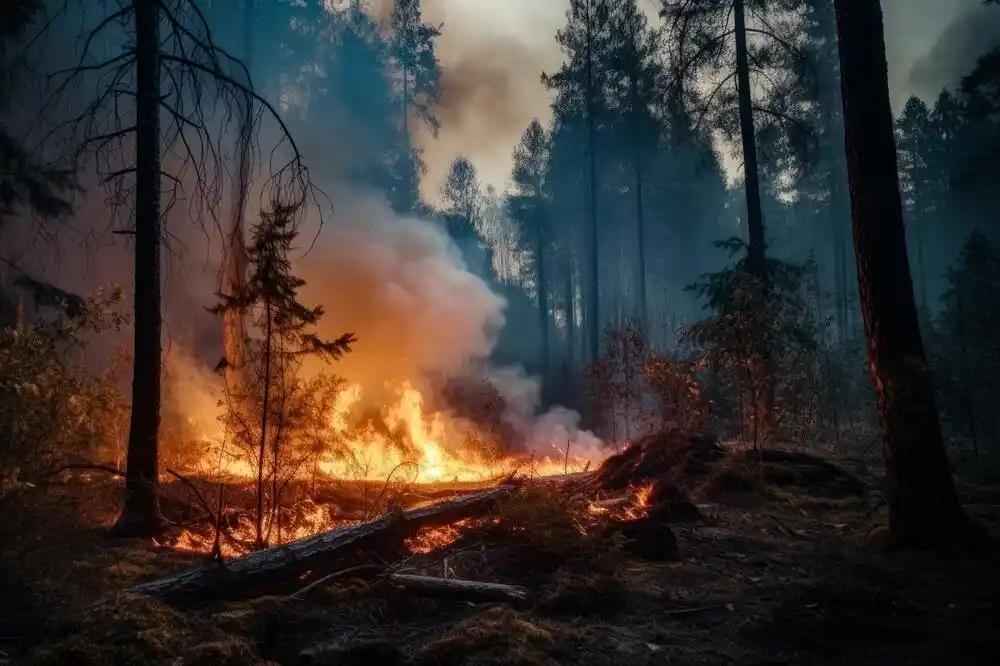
493 51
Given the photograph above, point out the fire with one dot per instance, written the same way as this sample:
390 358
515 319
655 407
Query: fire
414 447
403 445
304 521
629 507
439 537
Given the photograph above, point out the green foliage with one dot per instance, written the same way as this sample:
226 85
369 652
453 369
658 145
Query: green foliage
51 408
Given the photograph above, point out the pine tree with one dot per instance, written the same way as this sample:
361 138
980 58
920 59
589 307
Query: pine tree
259 412
418 92
528 206
580 110
968 355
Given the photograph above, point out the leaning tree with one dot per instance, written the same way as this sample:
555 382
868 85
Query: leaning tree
154 133
923 507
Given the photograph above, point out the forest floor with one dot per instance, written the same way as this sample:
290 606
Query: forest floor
776 573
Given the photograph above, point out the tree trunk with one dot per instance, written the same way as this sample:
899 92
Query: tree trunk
140 513
639 220
569 297
593 311
923 507
755 218
543 291
234 263
264 413
281 565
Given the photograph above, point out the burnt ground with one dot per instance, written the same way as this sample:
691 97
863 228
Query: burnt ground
778 569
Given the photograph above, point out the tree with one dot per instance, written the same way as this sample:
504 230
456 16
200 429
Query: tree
411 49
25 184
157 76
580 109
461 194
528 208
634 77
770 74
260 417
232 274
967 359
923 506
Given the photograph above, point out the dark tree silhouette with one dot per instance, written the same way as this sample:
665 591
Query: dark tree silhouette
166 70
923 507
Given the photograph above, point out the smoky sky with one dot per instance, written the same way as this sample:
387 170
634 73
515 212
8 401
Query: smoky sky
493 52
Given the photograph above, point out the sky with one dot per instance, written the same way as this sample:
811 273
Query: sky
493 52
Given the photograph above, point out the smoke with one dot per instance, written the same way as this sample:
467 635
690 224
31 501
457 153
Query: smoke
956 50
399 284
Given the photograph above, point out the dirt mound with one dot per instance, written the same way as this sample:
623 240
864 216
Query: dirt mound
675 457
498 637
807 473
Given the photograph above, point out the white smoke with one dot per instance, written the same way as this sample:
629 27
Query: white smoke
400 285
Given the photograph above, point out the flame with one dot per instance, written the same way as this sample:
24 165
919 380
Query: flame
431 539
302 521
406 445
415 445
629 507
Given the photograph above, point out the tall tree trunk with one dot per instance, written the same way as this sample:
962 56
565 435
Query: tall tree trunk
543 294
839 242
639 219
923 507
234 265
268 352
593 311
140 513
755 218
569 296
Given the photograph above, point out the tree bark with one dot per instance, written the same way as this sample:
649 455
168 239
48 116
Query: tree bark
923 507
454 588
593 314
637 182
234 264
541 274
140 513
751 178
280 565
764 406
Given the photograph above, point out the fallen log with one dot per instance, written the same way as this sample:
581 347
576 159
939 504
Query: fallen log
266 569
463 590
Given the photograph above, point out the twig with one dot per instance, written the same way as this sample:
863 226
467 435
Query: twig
301 594
686 611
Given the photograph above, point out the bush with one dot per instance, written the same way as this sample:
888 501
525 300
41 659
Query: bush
50 406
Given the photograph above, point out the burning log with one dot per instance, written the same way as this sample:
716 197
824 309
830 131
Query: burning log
272 567
464 590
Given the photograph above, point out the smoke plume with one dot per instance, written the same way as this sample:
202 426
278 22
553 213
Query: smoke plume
400 285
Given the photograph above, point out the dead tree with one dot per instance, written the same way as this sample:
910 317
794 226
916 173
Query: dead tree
163 94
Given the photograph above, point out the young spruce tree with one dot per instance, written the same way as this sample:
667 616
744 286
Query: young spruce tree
260 413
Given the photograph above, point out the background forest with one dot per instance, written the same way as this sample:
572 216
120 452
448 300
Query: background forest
628 259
